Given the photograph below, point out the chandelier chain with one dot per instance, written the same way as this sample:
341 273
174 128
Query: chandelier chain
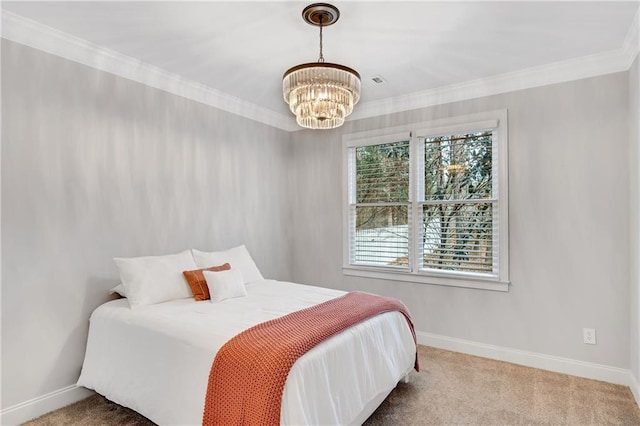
321 58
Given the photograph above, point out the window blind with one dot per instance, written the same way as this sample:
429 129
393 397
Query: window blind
458 207
379 212
429 205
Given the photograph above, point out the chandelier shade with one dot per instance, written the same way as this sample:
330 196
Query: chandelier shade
320 94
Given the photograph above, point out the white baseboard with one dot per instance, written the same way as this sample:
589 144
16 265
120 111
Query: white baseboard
36 407
557 364
635 387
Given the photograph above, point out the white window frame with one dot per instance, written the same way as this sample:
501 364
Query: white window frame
496 120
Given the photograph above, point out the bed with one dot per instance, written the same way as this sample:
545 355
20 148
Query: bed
156 359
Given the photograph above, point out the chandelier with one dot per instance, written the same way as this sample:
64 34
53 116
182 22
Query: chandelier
321 94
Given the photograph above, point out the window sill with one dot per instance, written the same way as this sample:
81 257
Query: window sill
421 278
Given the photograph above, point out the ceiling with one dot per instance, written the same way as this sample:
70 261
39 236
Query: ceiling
243 48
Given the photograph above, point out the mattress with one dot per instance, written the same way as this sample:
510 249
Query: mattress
156 359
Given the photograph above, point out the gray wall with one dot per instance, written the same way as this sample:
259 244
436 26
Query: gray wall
96 166
634 224
569 224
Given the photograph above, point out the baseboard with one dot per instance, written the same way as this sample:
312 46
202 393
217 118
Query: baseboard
635 387
36 407
573 367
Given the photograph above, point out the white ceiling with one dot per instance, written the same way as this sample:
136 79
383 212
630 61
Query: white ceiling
243 48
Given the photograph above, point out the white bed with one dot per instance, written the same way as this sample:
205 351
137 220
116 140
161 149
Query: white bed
156 359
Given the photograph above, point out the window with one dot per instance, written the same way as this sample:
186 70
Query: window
429 204
381 208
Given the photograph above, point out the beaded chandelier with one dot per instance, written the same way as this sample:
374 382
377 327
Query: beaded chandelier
320 94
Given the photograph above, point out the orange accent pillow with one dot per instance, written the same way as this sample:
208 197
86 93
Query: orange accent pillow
198 283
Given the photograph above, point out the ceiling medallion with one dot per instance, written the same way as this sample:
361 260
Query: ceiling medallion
321 94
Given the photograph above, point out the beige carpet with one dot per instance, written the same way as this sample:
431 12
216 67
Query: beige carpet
452 388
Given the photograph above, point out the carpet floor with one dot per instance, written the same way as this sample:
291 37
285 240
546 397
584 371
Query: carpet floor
452 388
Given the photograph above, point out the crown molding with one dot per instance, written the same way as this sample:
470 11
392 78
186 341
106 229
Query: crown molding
33 34
617 60
631 44
573 69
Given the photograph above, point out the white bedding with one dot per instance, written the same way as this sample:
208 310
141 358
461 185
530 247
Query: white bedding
156 359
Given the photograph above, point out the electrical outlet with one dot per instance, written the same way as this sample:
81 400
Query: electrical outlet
589 335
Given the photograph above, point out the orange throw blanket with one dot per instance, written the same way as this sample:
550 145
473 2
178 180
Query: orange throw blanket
247 377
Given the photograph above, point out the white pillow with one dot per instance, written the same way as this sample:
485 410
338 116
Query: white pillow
119 289
238 257
154 279
225 284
